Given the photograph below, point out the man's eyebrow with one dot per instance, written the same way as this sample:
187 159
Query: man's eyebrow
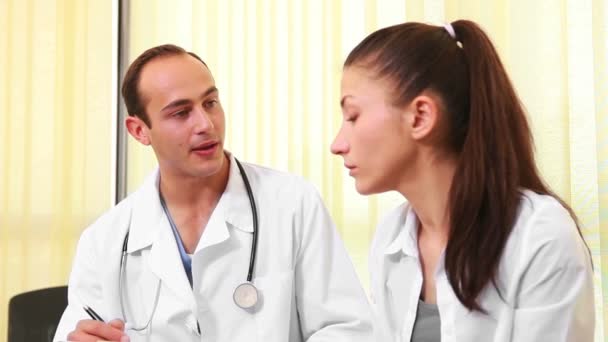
176 103
210 91
181 102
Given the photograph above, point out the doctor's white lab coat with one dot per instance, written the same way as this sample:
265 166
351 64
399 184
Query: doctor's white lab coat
308 287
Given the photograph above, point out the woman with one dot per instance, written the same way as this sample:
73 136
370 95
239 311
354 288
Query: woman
482 250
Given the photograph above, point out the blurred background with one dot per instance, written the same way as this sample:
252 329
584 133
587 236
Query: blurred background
64 159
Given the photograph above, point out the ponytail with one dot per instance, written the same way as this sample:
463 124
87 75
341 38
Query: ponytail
495 163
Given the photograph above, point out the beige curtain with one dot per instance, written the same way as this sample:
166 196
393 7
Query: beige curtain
55 136
278 65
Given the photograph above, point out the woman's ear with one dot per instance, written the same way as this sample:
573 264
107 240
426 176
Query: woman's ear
138 129
423 116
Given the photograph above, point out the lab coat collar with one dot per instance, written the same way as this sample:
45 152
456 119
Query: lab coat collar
406 240
148 217
235 201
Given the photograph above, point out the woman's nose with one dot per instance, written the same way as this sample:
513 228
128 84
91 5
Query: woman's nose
339 146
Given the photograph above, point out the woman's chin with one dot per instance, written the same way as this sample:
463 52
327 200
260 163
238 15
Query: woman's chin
364 188
369 187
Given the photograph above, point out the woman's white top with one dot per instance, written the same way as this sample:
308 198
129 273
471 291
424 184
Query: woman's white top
544 275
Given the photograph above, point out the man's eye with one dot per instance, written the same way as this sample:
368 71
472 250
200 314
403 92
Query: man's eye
210 103
180 113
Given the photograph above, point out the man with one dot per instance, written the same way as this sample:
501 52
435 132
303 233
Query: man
166 263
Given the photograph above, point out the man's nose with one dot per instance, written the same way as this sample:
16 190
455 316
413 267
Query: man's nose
203 120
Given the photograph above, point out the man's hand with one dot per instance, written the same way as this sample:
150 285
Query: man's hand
89 330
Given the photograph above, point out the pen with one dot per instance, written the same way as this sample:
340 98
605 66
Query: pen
93 314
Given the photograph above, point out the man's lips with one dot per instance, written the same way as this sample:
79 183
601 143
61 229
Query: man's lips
205 146
206 149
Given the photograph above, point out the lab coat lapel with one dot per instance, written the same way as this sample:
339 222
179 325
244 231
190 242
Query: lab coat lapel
398 259
166 264
150 227
397 285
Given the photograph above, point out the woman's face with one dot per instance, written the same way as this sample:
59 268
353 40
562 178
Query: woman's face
375 137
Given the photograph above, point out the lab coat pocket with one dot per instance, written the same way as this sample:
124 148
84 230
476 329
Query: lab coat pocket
273 313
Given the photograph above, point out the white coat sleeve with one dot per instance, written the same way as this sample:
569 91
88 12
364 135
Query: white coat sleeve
555 293
83 288
332 305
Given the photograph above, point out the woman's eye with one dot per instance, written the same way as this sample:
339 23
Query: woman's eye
352 118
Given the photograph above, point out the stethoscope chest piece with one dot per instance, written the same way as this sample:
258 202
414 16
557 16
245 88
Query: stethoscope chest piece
245 295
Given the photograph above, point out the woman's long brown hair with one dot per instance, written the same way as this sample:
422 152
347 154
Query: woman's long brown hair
487 130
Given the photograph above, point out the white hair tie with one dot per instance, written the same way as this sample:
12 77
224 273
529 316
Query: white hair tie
448 27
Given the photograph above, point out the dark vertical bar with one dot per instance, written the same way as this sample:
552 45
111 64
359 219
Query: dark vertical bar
121 134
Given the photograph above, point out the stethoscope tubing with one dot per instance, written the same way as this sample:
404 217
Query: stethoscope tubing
254 212
254 245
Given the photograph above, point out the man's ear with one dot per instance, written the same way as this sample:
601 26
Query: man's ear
138 129
423 117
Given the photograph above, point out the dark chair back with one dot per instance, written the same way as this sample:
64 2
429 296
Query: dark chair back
33 316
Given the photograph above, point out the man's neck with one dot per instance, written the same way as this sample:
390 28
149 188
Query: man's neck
191 201
186 191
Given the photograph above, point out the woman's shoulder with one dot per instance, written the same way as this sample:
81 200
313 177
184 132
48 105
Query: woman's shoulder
545 228
543 215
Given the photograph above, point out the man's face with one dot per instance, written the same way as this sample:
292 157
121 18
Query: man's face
186 118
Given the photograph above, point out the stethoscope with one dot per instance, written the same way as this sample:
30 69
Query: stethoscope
245 295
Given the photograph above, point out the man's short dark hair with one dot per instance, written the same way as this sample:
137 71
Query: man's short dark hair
130 84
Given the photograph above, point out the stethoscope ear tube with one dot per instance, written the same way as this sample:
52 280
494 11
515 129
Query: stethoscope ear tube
254 212
246 295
